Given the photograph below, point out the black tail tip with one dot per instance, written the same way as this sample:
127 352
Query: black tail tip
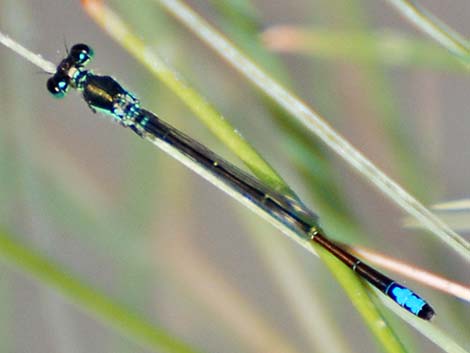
426 313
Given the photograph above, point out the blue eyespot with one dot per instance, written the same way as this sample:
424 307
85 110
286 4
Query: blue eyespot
81 54
58 85
406 298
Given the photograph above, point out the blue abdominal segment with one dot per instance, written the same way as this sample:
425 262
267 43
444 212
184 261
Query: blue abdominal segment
409 300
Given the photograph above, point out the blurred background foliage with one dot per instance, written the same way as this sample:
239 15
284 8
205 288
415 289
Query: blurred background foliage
141 228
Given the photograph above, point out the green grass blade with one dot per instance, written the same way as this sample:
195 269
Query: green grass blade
430 25
85 297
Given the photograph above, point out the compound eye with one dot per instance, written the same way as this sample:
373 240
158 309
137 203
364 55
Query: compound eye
58 85
81 54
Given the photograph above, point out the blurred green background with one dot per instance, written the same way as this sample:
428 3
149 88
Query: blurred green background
119 214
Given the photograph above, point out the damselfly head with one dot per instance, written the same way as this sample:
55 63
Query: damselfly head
70 71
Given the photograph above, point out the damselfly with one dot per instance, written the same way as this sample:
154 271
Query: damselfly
106 95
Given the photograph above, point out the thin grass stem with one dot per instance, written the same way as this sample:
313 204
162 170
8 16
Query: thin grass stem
432 26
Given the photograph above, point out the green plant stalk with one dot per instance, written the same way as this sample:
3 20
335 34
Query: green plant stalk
310 157
242 24
80 294
437 30
244 31
316 124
